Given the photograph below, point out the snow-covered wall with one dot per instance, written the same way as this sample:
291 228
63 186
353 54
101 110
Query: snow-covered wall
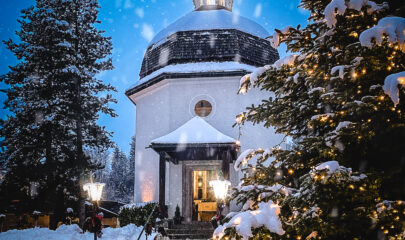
169 104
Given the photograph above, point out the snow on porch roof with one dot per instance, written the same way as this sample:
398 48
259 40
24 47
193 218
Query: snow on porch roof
195 131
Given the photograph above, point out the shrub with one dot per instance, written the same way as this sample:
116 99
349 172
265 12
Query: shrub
137 214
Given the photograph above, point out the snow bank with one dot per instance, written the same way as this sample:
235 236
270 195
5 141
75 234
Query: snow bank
392 27
391 85
266 215
339 7
73 232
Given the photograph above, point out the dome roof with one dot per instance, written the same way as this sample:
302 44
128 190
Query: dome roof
209 20
208 36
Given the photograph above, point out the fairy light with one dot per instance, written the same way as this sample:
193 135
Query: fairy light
324 118
401 80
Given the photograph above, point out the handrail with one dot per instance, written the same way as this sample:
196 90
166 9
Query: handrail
147 221
113 213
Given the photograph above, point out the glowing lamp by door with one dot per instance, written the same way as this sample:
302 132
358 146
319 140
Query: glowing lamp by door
220 188
95 190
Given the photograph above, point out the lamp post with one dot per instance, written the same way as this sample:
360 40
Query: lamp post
95 191
220 187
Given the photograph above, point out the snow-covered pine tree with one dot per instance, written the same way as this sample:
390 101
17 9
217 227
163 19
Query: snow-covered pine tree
131 173
340 96
54 100
119 182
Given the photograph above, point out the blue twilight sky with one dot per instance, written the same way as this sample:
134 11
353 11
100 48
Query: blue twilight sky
132 24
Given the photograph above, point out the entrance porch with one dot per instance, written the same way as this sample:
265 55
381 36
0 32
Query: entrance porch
205 155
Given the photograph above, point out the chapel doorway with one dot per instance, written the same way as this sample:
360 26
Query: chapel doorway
204 204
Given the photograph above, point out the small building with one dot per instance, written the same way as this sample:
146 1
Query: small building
186 104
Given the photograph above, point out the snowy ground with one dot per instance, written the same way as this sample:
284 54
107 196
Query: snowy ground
73 232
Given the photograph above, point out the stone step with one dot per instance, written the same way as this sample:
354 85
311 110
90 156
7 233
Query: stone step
193 225
184 231
192 231
189 236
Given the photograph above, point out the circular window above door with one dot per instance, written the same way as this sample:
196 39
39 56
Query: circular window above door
203 108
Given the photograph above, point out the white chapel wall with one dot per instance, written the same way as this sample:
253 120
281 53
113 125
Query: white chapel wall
166 106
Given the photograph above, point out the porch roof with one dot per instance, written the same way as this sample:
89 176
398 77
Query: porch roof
195 140
195 131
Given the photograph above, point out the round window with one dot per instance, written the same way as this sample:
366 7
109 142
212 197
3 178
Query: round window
203 108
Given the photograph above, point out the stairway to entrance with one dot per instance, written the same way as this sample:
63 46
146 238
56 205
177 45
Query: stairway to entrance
192 231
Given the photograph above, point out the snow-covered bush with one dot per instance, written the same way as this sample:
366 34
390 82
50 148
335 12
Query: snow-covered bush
137 214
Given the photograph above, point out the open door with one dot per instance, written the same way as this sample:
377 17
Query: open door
204 203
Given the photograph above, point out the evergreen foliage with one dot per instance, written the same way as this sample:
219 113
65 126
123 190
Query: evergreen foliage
54 100
137 214
131 172
120 179
343 178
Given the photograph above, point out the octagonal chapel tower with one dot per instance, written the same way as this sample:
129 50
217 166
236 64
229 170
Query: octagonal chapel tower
186 103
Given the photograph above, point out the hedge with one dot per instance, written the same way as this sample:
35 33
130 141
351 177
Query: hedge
137 214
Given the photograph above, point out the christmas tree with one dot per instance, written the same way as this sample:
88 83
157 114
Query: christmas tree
54 100
339 98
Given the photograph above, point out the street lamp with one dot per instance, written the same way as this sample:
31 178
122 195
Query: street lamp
95 191
220 188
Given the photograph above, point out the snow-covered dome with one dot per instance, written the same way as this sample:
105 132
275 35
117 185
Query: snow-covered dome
212 34
209 20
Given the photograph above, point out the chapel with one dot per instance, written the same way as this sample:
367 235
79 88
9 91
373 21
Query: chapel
186 104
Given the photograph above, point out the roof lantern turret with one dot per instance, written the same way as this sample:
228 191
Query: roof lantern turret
202 5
